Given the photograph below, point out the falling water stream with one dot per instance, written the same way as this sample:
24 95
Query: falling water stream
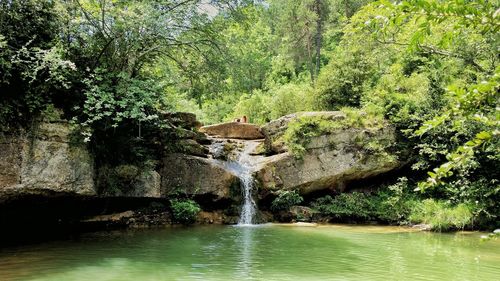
243 167
247 181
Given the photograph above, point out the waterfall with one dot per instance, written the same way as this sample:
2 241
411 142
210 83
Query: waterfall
243 167
247 182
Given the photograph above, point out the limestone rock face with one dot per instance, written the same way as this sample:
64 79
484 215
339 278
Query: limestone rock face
45 163
234 130
197 176
330 160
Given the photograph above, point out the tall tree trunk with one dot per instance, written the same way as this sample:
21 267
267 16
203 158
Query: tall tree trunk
319 37
310 58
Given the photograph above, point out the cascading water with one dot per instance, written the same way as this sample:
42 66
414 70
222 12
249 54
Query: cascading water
243 167
247 181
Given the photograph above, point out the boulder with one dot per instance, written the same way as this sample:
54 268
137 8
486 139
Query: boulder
330 161
234 130
191 147
295 213
45 162
194 176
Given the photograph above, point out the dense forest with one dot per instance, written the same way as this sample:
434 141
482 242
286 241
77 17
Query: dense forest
428 67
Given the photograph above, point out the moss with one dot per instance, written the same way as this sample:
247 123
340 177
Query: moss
229 147
378 149
235 189
127 172
260 149
300 131
367 119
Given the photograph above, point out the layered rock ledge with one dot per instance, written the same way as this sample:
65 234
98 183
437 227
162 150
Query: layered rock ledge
233 130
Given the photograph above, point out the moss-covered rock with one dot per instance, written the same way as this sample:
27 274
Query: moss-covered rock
336 150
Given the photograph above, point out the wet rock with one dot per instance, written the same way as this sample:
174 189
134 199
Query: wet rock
192 147
423 227
193 175
112 218
215 217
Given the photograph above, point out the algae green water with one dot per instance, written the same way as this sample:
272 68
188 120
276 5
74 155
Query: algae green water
269 252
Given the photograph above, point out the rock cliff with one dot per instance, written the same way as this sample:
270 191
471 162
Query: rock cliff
45 162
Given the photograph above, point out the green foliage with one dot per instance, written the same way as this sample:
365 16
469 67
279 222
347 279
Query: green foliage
286 199
300 26
346 206
431 69
33 70
117 97
290 98
397 204
184 211
343 80
442 216
473 114
261 107
254 106
300 131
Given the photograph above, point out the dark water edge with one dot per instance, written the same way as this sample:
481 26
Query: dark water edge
37 219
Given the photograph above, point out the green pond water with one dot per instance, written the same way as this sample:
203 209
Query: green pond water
268 252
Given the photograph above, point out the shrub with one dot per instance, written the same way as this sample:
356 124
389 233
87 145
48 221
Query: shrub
441 216
290 98
254 106
396 202
347 206
185 211
286 199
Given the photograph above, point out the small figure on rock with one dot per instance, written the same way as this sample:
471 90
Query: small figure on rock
242 119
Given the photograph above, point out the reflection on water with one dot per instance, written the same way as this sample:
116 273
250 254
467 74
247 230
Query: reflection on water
245 259
268 252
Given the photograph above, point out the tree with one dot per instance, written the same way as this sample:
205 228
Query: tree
301 26
33 70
